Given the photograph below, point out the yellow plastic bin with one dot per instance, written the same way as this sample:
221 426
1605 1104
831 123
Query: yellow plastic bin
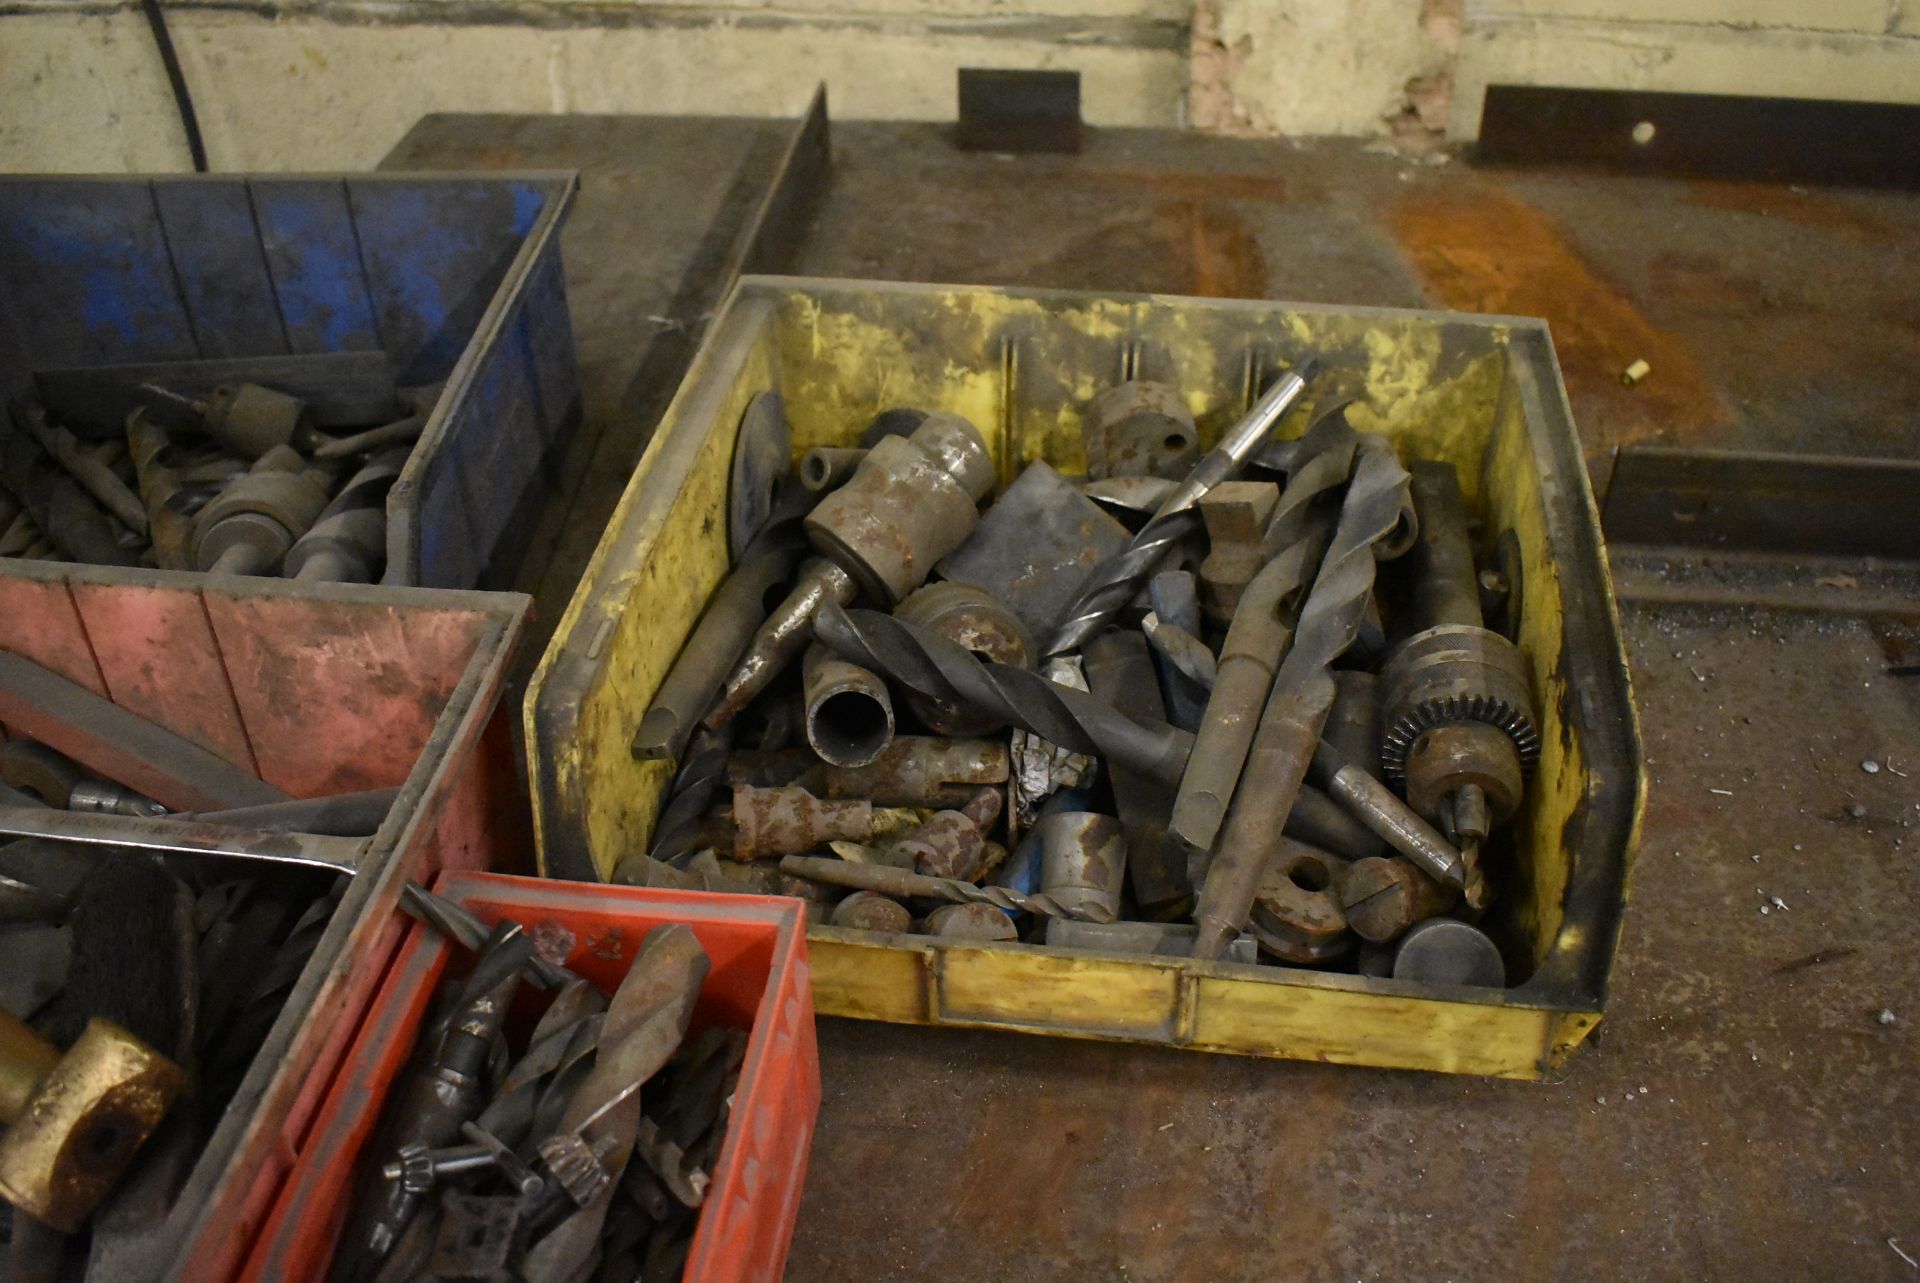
1481 391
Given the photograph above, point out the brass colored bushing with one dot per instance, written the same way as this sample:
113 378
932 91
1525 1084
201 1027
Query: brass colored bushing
84 1122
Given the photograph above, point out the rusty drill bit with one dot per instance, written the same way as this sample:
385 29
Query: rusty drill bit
459 924
1302 696
1262 630
1112 585
889 880
645 1023
947 671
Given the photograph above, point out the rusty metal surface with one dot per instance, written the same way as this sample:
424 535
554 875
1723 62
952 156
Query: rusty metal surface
1139 429
1297 914
1768 1083
1714 1127
951 843
1709 282
970 616
1235 514
788 821
1070 718
912 500
919 770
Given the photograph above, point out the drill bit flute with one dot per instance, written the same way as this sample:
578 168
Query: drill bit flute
1112 585
1302 695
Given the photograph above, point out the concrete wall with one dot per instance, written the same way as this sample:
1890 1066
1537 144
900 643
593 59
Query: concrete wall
1417 68
322 84
325 84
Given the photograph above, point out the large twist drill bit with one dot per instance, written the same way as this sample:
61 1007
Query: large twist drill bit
949 672
702 776
1113 584
645 1022
1262 629
887 879
1302 695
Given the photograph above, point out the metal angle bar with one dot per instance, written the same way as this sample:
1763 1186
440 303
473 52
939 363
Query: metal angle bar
1741 501
122 745
190 837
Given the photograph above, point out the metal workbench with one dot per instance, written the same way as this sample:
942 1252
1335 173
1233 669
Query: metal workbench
1745 1112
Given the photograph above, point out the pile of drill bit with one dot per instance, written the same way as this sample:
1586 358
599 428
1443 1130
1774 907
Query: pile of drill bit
579 1150
239 481
1234 705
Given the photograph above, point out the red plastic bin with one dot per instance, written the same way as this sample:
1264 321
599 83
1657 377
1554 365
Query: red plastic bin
759 981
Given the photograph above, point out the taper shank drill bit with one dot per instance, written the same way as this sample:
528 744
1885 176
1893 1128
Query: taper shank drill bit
1112 585
1302 695
947 671
1262 629
888 879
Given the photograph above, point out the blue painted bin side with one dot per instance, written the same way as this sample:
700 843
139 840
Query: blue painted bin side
456 277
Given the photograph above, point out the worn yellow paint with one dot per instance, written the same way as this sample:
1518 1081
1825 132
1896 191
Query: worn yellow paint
1047 989
1366 1027
868 976
1021 365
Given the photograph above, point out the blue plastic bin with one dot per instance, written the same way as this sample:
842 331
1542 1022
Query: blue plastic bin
452 276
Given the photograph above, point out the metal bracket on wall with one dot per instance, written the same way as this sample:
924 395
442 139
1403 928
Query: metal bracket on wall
1786 140
1018 111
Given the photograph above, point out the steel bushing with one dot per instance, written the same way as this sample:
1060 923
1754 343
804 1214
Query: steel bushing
1140 429
1296 913
248 527
849 712
911 501
871 911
